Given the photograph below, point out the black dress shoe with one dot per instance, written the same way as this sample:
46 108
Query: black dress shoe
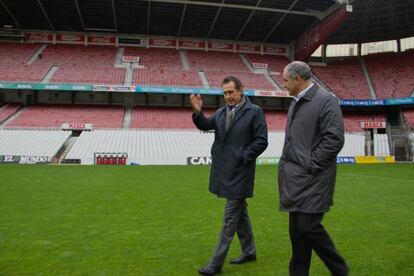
243 259
209 270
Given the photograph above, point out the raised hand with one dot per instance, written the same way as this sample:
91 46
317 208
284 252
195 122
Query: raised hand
196 103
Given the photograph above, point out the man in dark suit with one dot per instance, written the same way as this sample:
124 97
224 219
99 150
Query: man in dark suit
240 137
307 169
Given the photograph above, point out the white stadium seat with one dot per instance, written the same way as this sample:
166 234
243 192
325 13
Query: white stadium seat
32 142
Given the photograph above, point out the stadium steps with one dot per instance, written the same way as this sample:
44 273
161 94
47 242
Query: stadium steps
247 62
127 118
49 75
204 79
184 60
60 156
400 144
36 54
399 141
272 81
11 117
266 74
368 78
129 73
118 57
318 81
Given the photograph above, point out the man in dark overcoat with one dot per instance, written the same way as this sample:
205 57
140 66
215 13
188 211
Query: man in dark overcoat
307 169
240 137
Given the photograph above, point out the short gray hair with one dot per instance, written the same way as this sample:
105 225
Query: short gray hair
298 68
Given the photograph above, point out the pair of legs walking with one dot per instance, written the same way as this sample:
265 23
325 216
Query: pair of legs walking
236 220
307 233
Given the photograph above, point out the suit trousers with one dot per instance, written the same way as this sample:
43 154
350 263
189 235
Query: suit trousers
236 219
307 233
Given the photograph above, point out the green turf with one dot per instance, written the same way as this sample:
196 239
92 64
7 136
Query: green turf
161 220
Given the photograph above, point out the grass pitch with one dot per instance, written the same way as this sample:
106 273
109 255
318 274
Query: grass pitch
161 220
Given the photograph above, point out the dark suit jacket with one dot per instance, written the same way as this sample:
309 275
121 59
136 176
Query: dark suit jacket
235 150
307 167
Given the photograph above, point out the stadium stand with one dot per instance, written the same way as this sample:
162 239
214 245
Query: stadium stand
12 53
13 65
22 72
74 55
32 142
392 75
345 78
76 74
275 65
352 121
53 116
250 80
219 64
8 110
381 145
154 146
162 67
409 117
143 146
276 120
155 58
82 64
354 145
165 77
163 117
216 61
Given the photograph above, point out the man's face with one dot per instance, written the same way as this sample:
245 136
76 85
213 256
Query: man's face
232 96
292 85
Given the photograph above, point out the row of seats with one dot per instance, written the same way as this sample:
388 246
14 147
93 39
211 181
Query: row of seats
12 53
154 146
76 74
55 115
381 145
150 117
392 75
354 145
345 78
41 143
172 77
162 118
250 80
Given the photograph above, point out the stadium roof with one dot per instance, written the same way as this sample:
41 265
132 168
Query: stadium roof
274 21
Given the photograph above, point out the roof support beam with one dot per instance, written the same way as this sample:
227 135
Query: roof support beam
214 20
46 15
279 22
234 6
148 17
182 19
247 21
16 23
80 15
114 15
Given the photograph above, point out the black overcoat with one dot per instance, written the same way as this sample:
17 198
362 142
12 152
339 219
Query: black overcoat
235 150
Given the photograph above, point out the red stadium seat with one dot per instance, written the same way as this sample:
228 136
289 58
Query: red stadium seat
53 116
